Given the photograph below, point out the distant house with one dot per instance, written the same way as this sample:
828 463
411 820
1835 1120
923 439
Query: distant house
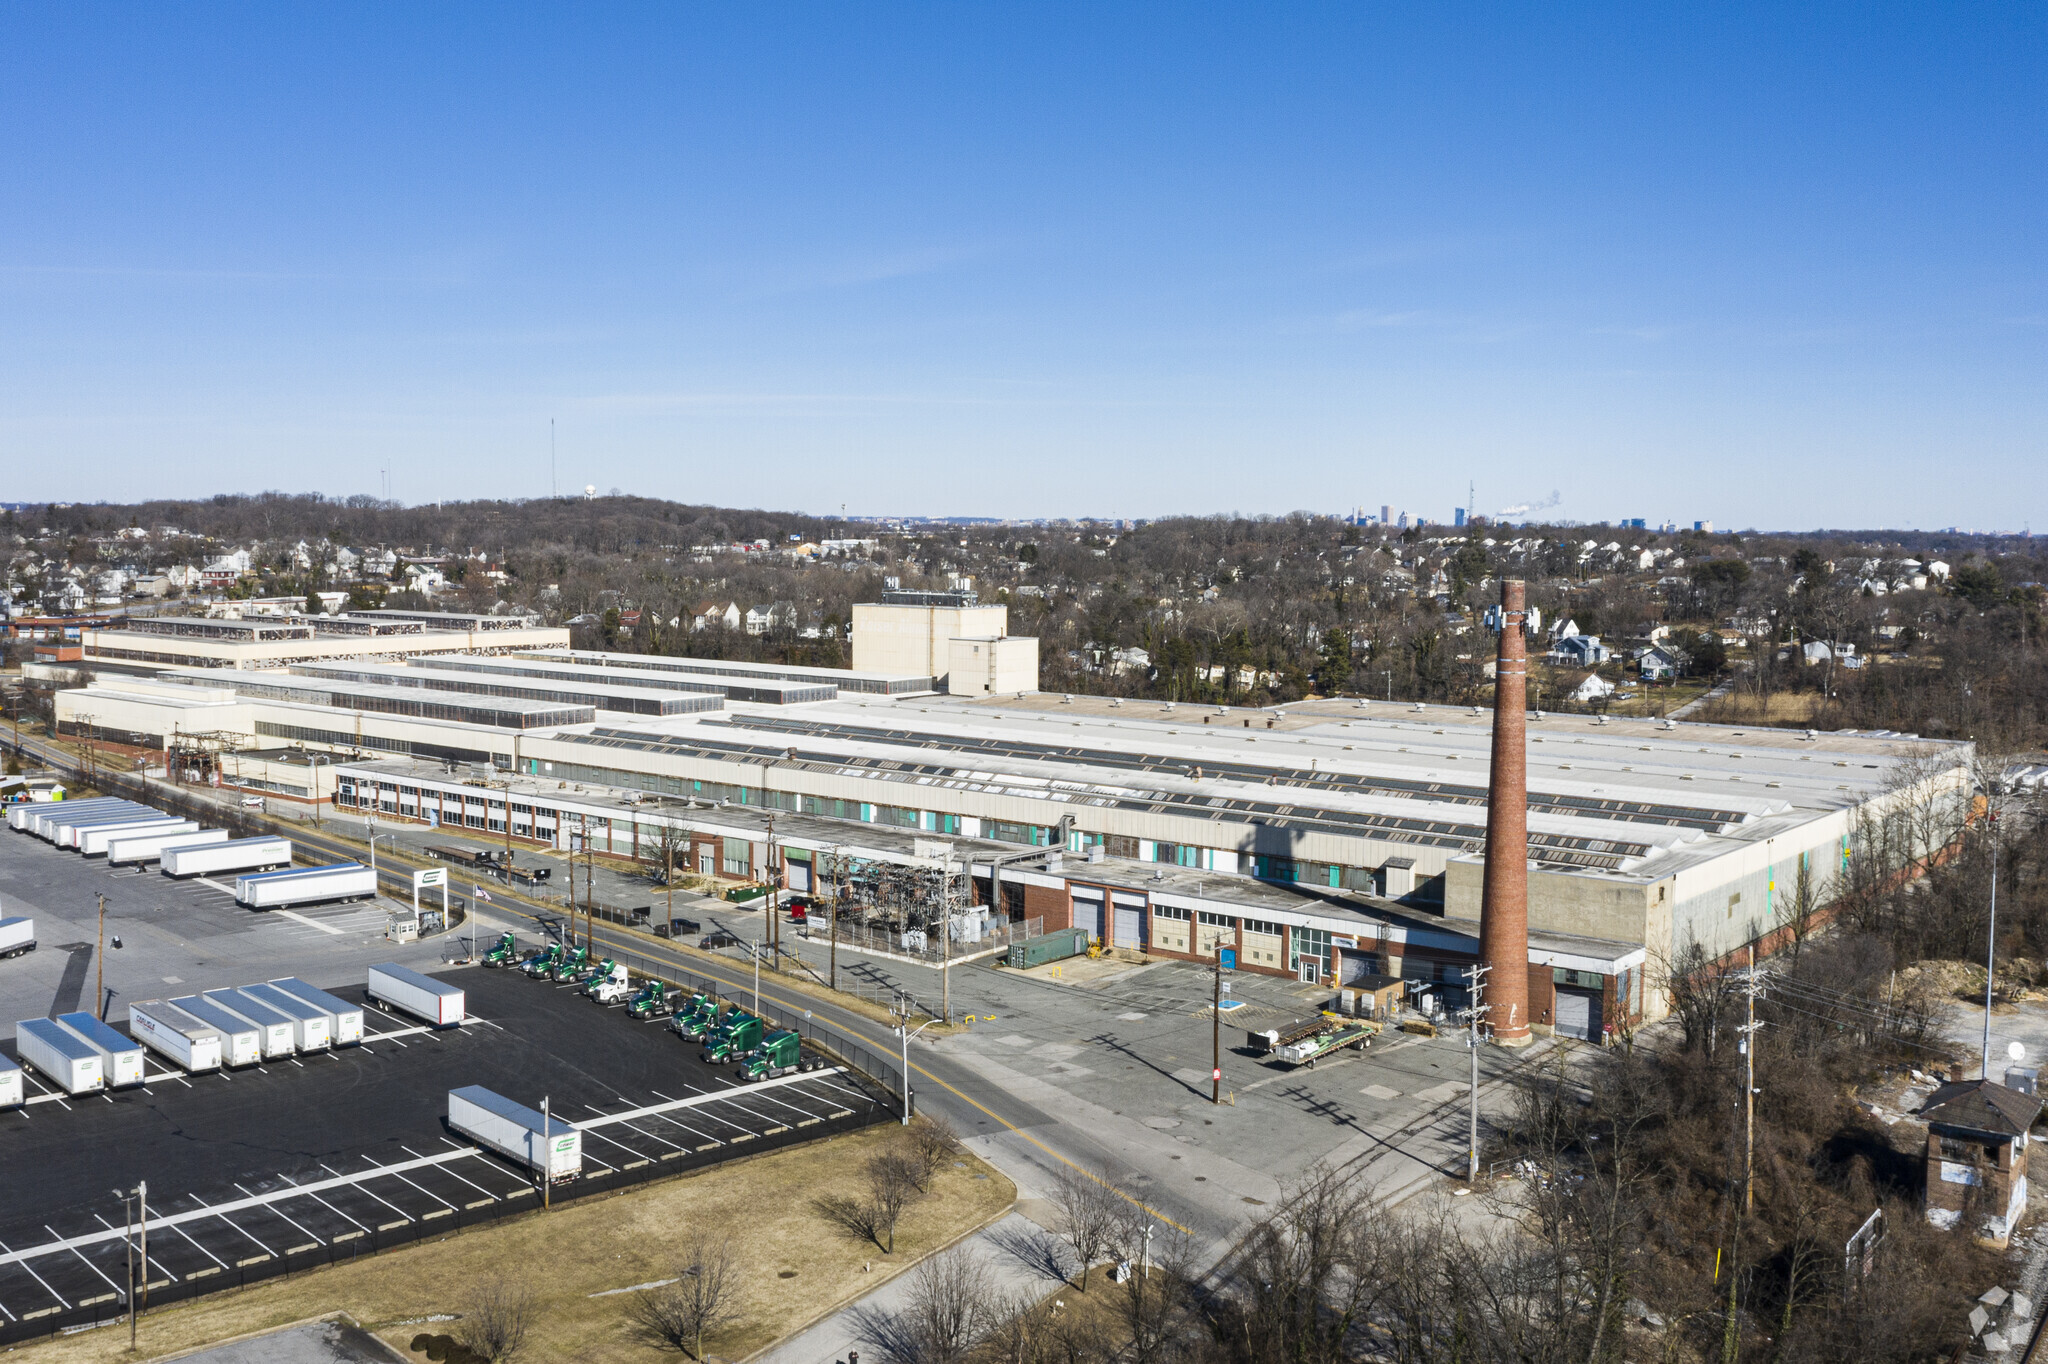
1593 687
760 620
713 615
1662 664
1579 651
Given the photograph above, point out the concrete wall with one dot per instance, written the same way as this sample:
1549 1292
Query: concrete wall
914 641
986 667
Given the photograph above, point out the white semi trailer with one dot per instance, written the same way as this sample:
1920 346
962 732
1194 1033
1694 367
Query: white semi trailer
392 986
165 1028
548 1146
147 847
17 935
280 1034
69 831
95 841
345 1020
120 1055
306 886
60 1055
241 1040
13 1093
44 820
236 855
29 819
312 1026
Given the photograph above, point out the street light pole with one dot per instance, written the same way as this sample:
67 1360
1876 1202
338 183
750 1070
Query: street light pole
905 1031
100 962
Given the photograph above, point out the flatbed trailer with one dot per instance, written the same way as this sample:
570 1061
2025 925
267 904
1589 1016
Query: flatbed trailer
1306 1052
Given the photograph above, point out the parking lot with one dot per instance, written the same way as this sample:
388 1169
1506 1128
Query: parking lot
299 1162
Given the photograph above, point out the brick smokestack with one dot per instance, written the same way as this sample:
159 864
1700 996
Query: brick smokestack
1504 906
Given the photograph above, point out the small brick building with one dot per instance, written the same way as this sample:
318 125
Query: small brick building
1977 1156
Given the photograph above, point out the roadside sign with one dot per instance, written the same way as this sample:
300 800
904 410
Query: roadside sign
1226 957
437 876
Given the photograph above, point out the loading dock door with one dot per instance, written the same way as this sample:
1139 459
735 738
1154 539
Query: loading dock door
1088 912
1578 1014
1355 966
799 876
1130 921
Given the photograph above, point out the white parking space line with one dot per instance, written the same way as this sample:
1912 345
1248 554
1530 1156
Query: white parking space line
152 1259
325 1204
201 1249
87 1263
364 1188
278 1212
238 1227
299 918
228 891
472 1183
33 1275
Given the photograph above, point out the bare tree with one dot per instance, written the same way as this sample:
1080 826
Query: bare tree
888 1184
933 1143
952 1307
1091 1214
677 1315
495 1318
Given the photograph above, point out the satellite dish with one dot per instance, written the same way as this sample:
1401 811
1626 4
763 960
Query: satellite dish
2017 1051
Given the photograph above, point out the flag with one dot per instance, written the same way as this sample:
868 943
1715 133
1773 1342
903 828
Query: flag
481 893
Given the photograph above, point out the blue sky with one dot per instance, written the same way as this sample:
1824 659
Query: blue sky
1777 266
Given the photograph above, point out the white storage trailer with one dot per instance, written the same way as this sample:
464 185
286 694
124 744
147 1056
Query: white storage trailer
548 1146
60 1055
241 1040
147 847
95 841
279 1035
306 886
400 987
68 830
48 819
237 854
312 1026
345 1020
12 1090
168 1029
35 819
120 1055
17 935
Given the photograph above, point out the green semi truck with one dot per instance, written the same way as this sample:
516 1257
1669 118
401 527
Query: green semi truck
655 1000
740 1034
780 1053
505 953
542 962
572 964
696 1018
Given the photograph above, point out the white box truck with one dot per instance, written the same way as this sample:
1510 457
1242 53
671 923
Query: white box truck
17 935
552 1147
392 986
120 1055
237 854
345 1020
68 830
133 847
170 1030
312 1026
60 1055
13 1093
279 1035
306 886
92 842
241 1040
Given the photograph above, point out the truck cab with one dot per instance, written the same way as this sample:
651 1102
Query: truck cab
780 1053
655 1000
740 1035
503 953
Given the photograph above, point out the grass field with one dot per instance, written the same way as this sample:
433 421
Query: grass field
794 1266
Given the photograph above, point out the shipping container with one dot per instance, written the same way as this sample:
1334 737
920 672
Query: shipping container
1056 946
13 1093
312 1026
123 848
95 842
60 1056
400 987
67 831
17 935
548 1146
344 1020
306 886
165 1028
237 854
120 1054
241 1040
279 1036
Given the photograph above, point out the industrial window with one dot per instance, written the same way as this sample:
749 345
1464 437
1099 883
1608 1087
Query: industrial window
1733 901
1217 920
1310 946
1583 980
735 858
1169 912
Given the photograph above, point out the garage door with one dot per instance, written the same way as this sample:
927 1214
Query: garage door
1354 967
1578 1014
800 877
1130 921
1088 912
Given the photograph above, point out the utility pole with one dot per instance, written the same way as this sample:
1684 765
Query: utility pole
142 1209
832 919
1990 948
773 929
946 934
99 960
1216 1031
1749 1031
1475 1014
547 1149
